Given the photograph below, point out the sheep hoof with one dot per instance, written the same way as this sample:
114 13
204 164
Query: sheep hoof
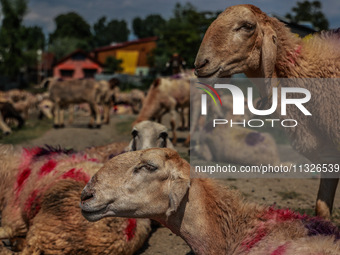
56 126
62 126
89 126
7 133
98 126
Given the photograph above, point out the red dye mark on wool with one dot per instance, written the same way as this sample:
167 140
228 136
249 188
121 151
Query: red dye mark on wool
281 215
32 205
130 229
77 175
47 167
279 250
260 233
21 178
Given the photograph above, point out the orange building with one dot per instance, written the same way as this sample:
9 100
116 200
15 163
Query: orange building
77 65
134 54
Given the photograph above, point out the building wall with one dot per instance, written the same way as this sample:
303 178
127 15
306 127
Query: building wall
144 49
77 67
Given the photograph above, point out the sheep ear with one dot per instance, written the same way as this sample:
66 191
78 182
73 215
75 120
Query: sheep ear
169 144
268 51
132 145
178 189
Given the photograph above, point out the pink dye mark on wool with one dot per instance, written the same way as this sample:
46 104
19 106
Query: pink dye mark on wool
279 250
292 56
47 167
77 175
32 205
130 229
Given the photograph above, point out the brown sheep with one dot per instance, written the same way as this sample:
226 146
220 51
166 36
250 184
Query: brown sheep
212 219
40 200
244 39
165 95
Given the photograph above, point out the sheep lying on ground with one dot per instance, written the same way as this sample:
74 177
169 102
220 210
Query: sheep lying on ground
7 113
243 39
212 219
134 98
165 95
238 145
22 101
39 199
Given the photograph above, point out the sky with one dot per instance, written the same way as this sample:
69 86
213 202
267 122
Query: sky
43 12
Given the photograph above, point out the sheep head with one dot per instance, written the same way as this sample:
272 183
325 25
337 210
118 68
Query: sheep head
149 183
149 134
240 40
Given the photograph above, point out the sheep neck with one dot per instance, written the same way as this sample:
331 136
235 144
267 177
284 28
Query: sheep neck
211 218
151 106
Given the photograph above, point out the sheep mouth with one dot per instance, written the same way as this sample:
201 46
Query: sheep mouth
206 75
93 214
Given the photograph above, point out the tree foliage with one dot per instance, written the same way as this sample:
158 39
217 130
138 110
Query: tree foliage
309 11
149 26
11 48
113 65
106 33
182 34
71 25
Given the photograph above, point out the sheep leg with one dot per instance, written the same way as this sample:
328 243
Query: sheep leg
325 199
71 114
56 114
106 113
173 126
3 126
61 118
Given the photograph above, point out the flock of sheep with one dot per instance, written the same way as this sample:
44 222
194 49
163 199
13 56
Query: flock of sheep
126 184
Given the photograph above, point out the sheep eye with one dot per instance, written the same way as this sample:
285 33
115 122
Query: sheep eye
163 135
147 167
134 133
248 27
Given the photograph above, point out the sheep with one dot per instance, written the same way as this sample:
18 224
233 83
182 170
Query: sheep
135 98
244 39
165 95
21 100
155 183
149 134
40 201
224 144
64 93
8 112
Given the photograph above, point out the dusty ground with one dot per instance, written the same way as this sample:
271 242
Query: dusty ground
298 194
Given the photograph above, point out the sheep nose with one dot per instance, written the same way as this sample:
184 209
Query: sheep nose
200 65
86 196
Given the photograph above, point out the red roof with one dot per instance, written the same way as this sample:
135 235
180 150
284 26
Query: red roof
124 44
75 52
66 66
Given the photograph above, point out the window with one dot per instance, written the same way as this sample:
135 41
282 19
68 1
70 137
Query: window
89 73
66 73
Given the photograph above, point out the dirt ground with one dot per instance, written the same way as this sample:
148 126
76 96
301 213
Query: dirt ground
297 194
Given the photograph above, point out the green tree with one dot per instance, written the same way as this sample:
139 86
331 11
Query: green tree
183 34
71 25
150 26
11 53
63 46
33 38
309 11
113 65
107 32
